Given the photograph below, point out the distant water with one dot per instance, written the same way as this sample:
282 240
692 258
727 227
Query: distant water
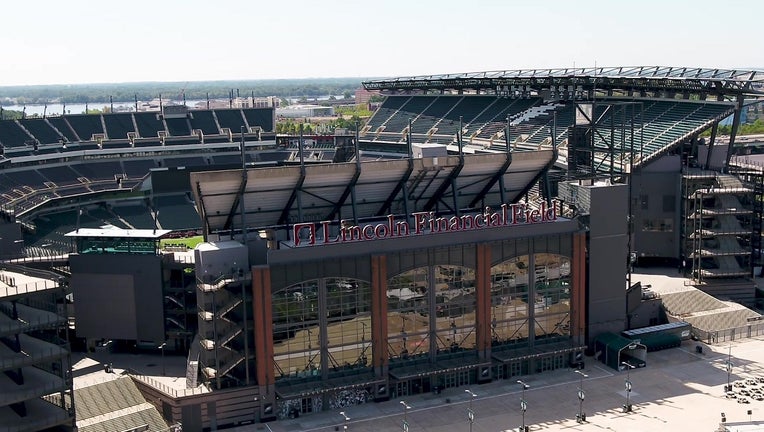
77 108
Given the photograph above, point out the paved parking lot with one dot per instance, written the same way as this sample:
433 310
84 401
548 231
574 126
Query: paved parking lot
678 390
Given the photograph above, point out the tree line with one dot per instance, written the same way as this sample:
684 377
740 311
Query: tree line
194 90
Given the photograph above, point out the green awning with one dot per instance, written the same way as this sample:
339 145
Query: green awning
610 347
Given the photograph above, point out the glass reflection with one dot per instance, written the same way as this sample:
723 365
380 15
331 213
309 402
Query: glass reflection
413 297
552 297
297 332
454 308
510 303
408 314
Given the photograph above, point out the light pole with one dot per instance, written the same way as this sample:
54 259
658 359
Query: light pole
257 409
470 413
344 416
161 347
523 404
627 384
405 424
729 370
581 417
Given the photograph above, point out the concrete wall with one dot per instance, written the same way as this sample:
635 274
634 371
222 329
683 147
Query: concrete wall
608 254
718 156
656 203
207 411
118 296
220 258
647 313
11 241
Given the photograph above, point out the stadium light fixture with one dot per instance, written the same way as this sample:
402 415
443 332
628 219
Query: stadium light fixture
581 417
523 403
627 385
405 424
470 412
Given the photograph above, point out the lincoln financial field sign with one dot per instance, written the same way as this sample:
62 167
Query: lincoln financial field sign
421 223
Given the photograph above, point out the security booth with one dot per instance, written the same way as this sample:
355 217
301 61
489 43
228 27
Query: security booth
613 350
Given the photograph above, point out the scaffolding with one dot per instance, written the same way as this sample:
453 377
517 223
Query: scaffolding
223 329
753 177
718 226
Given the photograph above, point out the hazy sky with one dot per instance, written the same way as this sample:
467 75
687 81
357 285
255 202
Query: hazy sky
81 41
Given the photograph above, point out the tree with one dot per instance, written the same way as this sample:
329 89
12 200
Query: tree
11 115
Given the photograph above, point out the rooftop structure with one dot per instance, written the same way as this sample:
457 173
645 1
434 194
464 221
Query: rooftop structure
36 381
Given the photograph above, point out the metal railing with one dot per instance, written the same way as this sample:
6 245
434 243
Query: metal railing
169 391
730 334
32 358
29 288
27 325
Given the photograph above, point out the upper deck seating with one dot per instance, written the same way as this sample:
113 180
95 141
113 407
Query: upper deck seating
433 113
11 135
60 175
494 118
178 126
63 127
118 125
411 109
379 118
86 125
230 118
28 178
467 109
149 124
203 119
41 130
262 117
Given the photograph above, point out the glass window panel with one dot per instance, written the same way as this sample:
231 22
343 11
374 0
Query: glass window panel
348 324
454 308
552 302
509 301
408 314
296 333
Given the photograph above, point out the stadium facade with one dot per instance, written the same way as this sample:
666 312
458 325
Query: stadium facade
478 227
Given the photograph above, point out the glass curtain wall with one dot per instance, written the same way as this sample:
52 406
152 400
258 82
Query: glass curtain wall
512 319
348 329
305 341
454 309
408 315
430 308
509 302
552 298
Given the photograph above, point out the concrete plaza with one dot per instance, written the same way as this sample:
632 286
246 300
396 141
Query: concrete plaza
679 390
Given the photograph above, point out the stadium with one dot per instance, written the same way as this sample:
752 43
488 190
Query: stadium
390 261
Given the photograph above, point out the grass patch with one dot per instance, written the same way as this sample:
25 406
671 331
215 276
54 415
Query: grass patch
189 242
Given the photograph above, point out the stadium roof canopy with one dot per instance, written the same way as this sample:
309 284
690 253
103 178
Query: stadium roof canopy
117 233
278 196
720 82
